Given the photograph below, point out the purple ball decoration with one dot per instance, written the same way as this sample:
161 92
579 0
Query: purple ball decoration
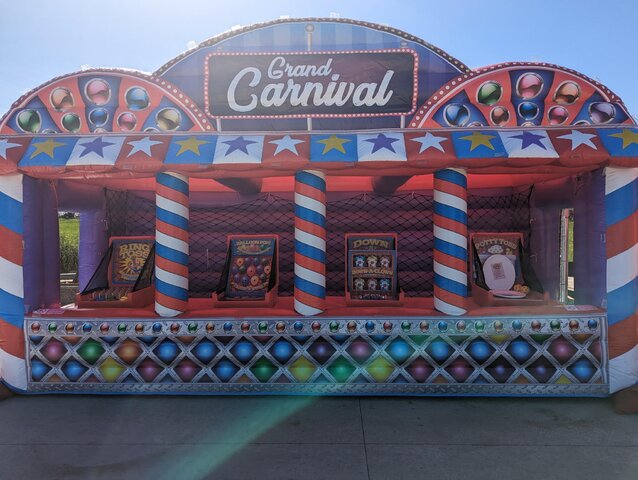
321 350
148 370
500 370
53 351
561 349
187 369
541 370
360 350
460 370
420 369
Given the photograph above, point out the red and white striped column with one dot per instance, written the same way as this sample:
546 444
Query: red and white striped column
171 244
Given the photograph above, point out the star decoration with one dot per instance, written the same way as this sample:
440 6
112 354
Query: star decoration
191 144
94 146
47 147
529 138
478 139
628 137
382 142
239 143
579 138
286 143
430 141
333 143
143 145
5 145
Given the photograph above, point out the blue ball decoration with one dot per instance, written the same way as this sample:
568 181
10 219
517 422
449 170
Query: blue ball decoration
582 369
400 350
480 350
38 370
439 350
166 351
228 327
87 327
520 350
298 326
205 351
282 350
517 325
442 326
244 351
73 370
369 325
157 327
592 324
225 369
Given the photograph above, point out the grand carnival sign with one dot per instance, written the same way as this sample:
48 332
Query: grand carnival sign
311 84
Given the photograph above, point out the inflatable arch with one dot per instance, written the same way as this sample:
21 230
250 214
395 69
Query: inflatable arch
321 206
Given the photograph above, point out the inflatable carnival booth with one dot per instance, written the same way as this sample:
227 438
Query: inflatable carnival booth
322 206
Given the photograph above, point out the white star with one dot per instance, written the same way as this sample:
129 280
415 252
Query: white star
428 140
5 145
286 143
579 138
142 145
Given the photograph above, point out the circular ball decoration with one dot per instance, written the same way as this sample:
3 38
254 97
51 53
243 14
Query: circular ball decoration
500 369
399 350
489 93
592 324
456 114
87 327
245 327
498 326
520 350
280 327
333 326
69 327
480 350
479 326
61 98
528 110
205 351
29 121
98 91
139 328
406 326
499 116
262 327
104 328
554 325
424 326
53 351
282 350
38 369
71 122
187 369
460 370
90 351
321 350
387 326
602 112
369 325
316 326
460 326
595 349
210 327
517 325
73 370
148 370
52 327
351 326
35 327
126 121
536 325
567 93
541 370
360 350
129 350
442 326
439 350
582 369
174 327
574 325
557 115
420 369
137 98
529 85
228 326
111 369
561 349
166 351
168 119
99 116
157 327
298 326
225 369
244 351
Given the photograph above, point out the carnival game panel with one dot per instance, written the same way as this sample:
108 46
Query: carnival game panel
541 355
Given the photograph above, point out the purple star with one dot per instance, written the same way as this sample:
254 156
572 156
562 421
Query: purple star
382 142
238 143
95 146
529 138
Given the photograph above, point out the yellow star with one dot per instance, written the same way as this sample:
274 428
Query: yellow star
46 147
333 143
191 144
628 137
478 139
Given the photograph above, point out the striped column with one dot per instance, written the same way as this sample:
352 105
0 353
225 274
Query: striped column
171 244
12 355
450 241
621 218
310 242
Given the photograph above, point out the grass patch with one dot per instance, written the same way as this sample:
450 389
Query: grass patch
69 239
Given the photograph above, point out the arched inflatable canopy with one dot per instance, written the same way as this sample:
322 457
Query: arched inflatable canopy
317 132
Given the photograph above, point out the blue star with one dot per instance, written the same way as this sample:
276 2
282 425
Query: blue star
238 143
382 142
529 138
95 146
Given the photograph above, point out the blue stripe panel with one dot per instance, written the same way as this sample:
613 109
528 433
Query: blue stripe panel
621 203
173 183
310 216
171 254
10 213
450 212
310 252
622 302
312 180
450 285
171 290
11 309
172 218
310 288
451 176
450 249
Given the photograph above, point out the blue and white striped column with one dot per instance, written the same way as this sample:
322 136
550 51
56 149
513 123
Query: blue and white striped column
171 244
310 242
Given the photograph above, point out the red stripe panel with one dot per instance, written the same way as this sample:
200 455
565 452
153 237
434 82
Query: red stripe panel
10 245
170 302
310 300
622 235
310 264
310 227
11 339
311 192
171 230
449 224
171 194
450 261
449 297
623 336
173 267
451 188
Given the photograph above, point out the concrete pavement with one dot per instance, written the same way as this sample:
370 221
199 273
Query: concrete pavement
90 437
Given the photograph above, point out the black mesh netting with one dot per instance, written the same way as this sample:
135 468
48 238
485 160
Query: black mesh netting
409 215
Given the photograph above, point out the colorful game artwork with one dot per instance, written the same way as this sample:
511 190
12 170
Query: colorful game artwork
372 267
251 266
505 243
128 259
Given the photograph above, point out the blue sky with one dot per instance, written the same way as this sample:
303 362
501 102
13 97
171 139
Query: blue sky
43 39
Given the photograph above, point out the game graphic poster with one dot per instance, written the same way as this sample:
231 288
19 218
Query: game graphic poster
251 267
372 267
128 259
484 245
